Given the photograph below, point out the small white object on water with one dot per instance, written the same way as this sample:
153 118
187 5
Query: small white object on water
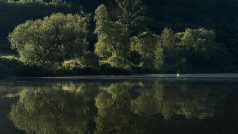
178 74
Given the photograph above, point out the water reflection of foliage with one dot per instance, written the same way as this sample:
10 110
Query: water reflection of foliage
114 112
172 101
127 108
123 107
46 111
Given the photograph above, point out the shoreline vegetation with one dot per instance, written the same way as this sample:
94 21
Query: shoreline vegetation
114 37
12 67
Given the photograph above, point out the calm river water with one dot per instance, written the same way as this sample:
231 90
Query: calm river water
119 105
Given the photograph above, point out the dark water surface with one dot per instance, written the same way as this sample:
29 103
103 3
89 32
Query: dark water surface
119 105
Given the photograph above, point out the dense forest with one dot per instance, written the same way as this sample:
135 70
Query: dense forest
72 37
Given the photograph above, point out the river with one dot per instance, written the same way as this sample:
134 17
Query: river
144 104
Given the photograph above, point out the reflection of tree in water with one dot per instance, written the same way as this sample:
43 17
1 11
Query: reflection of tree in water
114 110
172 101
129 107
120 107
47 111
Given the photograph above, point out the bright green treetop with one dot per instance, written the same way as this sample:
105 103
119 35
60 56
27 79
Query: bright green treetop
52 40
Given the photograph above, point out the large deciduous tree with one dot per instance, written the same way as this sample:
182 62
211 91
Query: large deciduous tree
52 40
114 29
113 39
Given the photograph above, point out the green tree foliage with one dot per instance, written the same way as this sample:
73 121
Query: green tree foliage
148 46
126 35
180 14
169 45
196 48
113 39
89 60
17 13
52 40
168 42
115 29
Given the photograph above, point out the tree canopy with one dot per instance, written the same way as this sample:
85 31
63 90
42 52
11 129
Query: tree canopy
52 40
135 36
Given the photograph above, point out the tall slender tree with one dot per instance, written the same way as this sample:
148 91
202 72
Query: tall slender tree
113 39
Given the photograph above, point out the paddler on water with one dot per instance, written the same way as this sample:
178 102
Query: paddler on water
178 74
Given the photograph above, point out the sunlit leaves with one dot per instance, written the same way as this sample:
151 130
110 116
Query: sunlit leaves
148 46
52 40
113 39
